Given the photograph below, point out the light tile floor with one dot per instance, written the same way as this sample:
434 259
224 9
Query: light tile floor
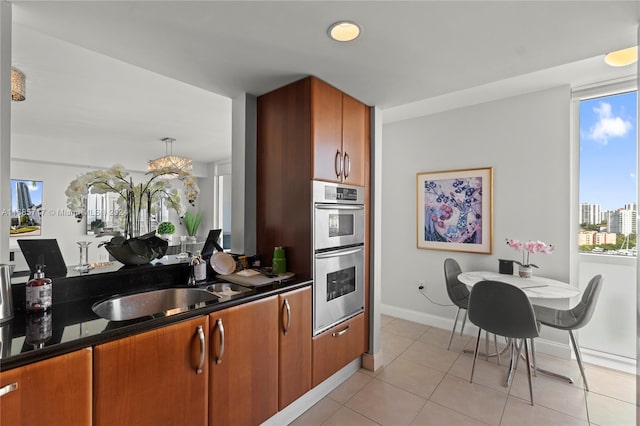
423 383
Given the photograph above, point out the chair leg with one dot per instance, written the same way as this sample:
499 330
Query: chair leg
533 358
576 349
526 353
464 320
475 355
495 343
453 330
486 345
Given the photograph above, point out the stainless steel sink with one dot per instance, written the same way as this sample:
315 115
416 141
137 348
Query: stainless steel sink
163 302
228 291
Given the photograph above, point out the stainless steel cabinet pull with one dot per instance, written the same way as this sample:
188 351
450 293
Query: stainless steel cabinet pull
202 343
340 333
347 165
337 164
221 328
9 388
288 308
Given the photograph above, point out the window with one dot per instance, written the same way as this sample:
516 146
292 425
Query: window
608 174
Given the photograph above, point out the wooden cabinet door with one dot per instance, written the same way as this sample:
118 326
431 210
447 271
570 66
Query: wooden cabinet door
354 136
243 381
294 361
337 347
56 391
326 131
152 378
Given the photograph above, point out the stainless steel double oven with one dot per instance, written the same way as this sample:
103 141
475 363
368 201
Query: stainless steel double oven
338 253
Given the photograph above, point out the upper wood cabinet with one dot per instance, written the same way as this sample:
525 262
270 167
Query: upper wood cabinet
56 391
294 341
304 130
154 378
338 133
243 381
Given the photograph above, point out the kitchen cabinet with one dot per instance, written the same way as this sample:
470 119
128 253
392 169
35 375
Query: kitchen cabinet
294 342
243 380
339 133
156 377
56 391
337 347
304 130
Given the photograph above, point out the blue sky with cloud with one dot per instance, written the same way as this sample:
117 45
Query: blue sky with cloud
608 150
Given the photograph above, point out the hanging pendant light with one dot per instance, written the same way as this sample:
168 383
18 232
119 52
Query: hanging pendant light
18 87
169 161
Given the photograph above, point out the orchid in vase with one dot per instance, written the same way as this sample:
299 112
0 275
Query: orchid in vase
528 248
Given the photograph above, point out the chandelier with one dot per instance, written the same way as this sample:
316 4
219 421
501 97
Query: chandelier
169 161
17 85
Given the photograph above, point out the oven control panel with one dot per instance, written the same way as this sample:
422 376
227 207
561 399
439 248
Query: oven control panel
333 193
339 193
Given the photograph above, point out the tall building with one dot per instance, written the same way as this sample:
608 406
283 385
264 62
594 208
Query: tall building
24 197
634 209
590 214
621 221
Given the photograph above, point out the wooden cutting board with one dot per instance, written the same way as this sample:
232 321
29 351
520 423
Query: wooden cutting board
256 280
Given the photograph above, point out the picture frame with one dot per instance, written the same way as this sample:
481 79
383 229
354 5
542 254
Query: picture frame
26 208
454 210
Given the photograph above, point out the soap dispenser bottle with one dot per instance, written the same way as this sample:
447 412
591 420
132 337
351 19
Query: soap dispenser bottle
39 292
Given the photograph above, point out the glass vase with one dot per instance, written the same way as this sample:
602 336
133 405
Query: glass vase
83 263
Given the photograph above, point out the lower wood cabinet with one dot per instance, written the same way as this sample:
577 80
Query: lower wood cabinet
294 341
337 347
243 379
155 378
56 391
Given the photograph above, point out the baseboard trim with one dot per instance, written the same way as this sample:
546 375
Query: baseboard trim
372 362
309 399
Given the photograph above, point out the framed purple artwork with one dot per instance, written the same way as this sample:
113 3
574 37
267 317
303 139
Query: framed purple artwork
455 210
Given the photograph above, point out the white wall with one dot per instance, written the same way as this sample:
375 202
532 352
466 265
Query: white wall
526 140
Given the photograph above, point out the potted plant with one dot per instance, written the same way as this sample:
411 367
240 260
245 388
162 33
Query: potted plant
191 222
165 230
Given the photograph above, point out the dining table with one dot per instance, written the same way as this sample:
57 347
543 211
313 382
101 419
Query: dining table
535 287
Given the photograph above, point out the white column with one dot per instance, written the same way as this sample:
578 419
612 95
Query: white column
243 181
5 128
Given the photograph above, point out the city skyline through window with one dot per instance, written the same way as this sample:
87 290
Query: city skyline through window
608 173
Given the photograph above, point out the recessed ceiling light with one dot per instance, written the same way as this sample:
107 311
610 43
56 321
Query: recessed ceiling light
621 58
344 31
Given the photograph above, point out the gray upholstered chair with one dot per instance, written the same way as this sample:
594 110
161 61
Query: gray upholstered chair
458 293
504 310
574 318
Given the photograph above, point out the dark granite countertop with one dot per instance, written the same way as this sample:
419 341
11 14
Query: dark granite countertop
72 325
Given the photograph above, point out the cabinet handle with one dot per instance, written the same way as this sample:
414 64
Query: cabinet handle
202 343
288 308
221 328
9 388
347 165
337 164
340 333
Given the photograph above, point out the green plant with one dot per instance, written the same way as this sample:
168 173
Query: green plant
98 223
166 228
191 221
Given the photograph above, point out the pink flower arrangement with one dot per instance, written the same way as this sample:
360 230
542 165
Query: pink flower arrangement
528 248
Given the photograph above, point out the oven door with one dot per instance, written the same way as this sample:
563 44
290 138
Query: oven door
339 286
337 225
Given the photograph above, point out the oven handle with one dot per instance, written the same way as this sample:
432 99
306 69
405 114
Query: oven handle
339 206
337 253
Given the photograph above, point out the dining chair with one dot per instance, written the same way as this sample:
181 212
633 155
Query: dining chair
458 293
505 310
574 318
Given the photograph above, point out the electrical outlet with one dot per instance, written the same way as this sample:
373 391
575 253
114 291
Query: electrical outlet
420 284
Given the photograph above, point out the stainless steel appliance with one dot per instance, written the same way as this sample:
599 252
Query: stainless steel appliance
338 263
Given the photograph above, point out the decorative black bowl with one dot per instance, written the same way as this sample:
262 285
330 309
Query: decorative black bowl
137 251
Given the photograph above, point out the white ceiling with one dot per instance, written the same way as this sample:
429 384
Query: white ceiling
190 58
